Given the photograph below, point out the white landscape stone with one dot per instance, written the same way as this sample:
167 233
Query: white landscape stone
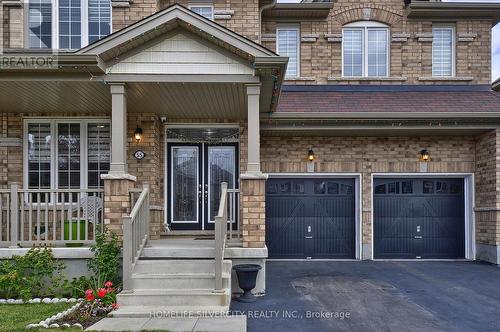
55 300
3 301
54 326
11 301
66 325
63 299
19 301
72 300
45 326
37 300
46 300
31 326
78 325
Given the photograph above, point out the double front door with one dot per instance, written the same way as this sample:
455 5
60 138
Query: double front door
195 173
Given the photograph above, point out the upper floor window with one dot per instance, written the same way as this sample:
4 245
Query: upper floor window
288 44
443 51
365 50
206 11
67 24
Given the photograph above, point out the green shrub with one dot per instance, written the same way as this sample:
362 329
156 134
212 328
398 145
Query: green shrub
106 262
35 274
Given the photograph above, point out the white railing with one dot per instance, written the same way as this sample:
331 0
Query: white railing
51 217
135 235
220 236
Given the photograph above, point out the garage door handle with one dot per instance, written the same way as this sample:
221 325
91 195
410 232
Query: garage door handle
418 237
309 237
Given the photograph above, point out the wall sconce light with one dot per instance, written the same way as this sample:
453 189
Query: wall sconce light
311 163
424 156
310 155
138 134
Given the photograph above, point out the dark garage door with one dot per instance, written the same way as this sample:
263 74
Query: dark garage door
419 218
308 217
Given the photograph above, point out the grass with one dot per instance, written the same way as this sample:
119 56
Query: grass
15 317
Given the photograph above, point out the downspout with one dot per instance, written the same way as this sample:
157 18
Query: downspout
268 6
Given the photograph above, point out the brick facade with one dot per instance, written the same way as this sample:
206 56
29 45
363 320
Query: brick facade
410 56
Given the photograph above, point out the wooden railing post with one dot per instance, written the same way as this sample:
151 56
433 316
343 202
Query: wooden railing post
127 253
14 214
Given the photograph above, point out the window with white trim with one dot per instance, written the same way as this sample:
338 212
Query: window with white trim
443 51
288 44
67 24
62 154
365 50
206 11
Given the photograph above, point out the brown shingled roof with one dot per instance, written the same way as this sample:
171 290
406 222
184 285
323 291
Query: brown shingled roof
388 99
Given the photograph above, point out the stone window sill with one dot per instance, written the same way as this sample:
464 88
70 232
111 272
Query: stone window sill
456 78
368 79
295 79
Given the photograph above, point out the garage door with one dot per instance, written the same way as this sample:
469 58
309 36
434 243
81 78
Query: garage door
308 217
419 218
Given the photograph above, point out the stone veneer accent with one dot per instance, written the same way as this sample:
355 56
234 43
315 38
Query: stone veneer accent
253 216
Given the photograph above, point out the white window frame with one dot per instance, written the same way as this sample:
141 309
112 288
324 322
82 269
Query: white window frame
364 27
84 5
84 122
453 48
295 27
203 6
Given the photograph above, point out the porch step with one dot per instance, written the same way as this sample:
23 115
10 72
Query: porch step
178 280
179 266
174 297
173 252
169 311
178 285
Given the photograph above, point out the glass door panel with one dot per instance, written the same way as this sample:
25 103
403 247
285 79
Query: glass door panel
220 167
184 184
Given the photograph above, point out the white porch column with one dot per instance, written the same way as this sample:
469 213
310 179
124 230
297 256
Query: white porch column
253 96
118 129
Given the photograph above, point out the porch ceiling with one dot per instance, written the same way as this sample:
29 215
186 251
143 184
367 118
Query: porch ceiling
173 100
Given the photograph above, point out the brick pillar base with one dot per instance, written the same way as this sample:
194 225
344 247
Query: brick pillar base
116 202
253 208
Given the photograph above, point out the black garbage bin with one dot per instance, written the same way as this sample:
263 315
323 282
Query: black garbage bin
247 279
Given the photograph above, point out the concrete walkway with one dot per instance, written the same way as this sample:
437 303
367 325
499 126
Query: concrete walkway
191 324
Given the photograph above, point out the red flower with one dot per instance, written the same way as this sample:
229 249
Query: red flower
90 297
114 306
101 292
108 284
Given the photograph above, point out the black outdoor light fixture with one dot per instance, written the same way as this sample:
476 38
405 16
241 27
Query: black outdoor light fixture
310 155
424 156
138 134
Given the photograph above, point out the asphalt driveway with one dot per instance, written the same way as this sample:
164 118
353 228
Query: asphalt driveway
377 296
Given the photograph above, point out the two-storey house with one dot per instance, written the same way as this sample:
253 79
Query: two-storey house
227 131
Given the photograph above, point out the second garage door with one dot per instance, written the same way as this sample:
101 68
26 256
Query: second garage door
419 218
310 217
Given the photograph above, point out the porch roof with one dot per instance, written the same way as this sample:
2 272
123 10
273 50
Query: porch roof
78 81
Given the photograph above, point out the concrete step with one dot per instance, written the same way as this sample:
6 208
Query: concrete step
178 252
169 311
179 266
178 280
174 297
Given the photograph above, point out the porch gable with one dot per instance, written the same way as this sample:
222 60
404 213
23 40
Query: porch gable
180 52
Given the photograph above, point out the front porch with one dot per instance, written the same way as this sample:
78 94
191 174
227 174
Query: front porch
150 131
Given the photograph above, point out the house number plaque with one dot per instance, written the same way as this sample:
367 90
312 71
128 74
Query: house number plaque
139 154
